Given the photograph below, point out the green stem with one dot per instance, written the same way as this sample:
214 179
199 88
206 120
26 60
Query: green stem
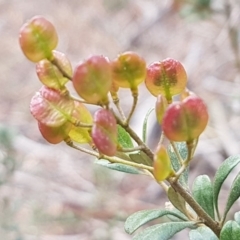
120 149
180 160
116 103
207 220
110 159
135 99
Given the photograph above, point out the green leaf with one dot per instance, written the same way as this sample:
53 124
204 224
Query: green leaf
124 138
177 200
221 174
237 217
144 131
163 231
182 149
230 231
203 194
202 233
233 195
141 157
138 219
119 167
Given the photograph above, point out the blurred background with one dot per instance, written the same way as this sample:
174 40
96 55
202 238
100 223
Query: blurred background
52 192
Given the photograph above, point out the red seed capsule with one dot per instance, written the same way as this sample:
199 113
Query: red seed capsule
186 120
55 135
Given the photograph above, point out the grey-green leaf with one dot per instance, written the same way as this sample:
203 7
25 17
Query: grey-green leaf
144 130
202 233
173 218
124 138
176 199
119 167
237 217
140 157
164 231
138 219
230 231
233 195
221 174
182 149
203 193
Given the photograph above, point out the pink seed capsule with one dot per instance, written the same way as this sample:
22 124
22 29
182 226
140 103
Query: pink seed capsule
92 79
38 38
104 132
167 77
50 75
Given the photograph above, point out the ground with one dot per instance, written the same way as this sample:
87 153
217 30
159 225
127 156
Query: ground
53 192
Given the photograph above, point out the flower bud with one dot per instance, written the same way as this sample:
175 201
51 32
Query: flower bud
162 164
160 108
92 79
50 75
186 120
129 70
104 132
38 38
167 77
55 135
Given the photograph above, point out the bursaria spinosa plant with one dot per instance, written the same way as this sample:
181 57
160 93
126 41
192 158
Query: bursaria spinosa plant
106 134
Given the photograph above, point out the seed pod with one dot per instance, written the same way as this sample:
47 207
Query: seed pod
38 38
186 120
82 114
51 108
167 77
92 79
55 135
162 164
104 132
50 75
160 108
128 70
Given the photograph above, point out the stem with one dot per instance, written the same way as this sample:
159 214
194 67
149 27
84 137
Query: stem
180 160
136 138
116 103
135 99
208 221
66 75
110 159
78 123
130 149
